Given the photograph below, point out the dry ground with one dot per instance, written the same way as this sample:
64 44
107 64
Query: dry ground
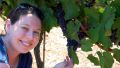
55 51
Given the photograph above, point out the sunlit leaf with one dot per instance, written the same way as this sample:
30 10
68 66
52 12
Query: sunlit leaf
93 59
86 45
73 29
116 54
73 55
108 59
71 9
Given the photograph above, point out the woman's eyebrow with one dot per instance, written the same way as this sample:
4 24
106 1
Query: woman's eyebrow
29 25
25 24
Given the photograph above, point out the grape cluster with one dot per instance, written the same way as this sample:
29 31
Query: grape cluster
63 24
60 17
81 35
73 43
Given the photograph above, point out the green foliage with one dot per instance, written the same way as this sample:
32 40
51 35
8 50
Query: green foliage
73 55
49 19
116 26
116 54
71 9
93 59
106 59
109 13
116 4
99 21
72 29
86 45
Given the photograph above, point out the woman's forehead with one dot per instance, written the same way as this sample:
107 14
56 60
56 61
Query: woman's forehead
29 20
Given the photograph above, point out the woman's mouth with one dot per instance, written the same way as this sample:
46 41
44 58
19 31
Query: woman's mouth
25 43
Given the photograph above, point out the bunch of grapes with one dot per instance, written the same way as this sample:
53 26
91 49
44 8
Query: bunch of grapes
60 17
73 43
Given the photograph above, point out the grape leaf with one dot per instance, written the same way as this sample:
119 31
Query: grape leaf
73 55
72 29
101 58
108 59
86 45
116 4
116 54
94 34
92 15
49 20
71 9
116 24
93 59
104 40
108 19
93 20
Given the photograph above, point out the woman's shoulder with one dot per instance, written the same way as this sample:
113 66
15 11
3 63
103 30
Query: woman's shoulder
3 53
25 60
1 41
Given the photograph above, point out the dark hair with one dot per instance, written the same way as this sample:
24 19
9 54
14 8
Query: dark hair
24 9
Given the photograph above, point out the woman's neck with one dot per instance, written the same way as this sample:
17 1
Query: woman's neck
12 55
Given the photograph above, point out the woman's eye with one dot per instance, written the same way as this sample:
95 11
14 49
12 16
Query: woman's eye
25 28
36 33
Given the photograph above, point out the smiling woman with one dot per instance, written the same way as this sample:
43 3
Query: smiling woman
23 29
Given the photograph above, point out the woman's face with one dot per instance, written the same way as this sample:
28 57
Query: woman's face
25 33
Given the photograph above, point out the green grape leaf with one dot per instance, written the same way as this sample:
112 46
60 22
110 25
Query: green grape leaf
93 20
101 58
49 19
86 44
108 59
73 55
94 34
116 24
116 4
108 27
73 29
108 19
92 15
93 59
104 40
116 54
71 9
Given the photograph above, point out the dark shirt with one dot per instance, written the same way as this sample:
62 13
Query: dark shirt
25 60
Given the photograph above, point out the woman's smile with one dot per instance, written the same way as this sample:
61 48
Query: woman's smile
25 43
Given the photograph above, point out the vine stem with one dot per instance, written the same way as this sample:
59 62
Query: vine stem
44 49
101 47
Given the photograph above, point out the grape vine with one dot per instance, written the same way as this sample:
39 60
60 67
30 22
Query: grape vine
84 23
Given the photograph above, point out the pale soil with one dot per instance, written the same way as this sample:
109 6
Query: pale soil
56 50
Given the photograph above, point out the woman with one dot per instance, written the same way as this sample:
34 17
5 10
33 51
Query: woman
23 29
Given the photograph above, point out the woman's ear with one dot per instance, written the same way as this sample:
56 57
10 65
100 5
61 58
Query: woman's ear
7 25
